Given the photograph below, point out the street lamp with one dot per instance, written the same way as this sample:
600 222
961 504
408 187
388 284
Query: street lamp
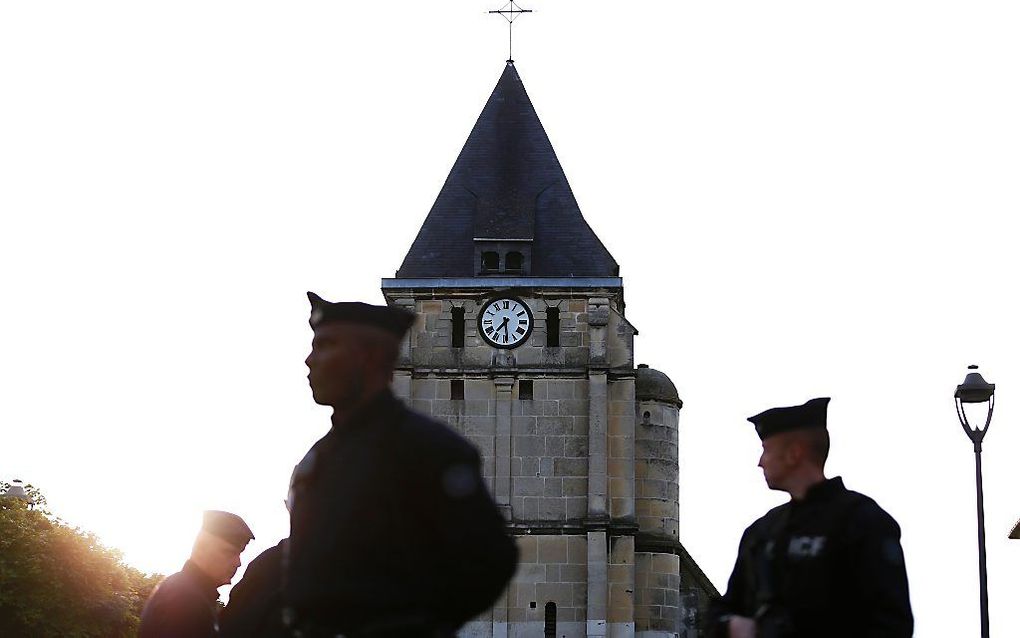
975 389
17 491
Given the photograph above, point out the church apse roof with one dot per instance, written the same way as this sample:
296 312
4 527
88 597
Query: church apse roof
507 188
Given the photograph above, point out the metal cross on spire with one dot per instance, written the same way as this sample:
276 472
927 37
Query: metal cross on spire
511 11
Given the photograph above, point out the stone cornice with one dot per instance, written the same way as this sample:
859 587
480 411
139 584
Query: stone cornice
489 283
620 374
643 542
616 527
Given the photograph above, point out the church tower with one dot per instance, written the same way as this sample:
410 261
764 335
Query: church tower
522 346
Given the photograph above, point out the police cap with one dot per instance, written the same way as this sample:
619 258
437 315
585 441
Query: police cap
798 417
393 320
229 527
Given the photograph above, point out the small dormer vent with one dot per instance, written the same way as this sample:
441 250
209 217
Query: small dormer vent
503 257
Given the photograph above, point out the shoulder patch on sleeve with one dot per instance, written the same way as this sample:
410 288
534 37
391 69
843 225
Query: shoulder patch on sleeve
459 481
892 553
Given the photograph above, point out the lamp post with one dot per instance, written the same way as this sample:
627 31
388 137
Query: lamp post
975 389
16 490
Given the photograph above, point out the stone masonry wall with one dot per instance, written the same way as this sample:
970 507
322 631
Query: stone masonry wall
549 441
474 416
621 449
552 569
539 455
620 341
621 586
657 469
549 449
431 338
657 592
694 603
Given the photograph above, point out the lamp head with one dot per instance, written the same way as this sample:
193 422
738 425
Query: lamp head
18 491
974 388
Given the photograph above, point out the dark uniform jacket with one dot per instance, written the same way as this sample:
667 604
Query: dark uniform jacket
256 601
182 606
393 530
829 565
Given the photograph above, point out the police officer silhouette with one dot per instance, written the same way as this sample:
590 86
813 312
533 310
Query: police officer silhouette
184 604
826 564
393 531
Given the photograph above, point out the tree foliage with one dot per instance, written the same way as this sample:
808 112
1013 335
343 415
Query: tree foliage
34 493
56 580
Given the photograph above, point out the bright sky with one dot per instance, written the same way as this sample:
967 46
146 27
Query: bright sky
806 198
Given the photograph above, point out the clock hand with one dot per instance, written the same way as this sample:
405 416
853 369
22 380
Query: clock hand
503 327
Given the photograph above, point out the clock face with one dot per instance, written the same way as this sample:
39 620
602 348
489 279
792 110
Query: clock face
505 322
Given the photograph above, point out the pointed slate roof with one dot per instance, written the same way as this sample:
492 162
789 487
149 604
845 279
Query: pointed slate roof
507 184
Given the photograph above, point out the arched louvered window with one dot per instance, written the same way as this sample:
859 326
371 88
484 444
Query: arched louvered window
514 261
490 260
